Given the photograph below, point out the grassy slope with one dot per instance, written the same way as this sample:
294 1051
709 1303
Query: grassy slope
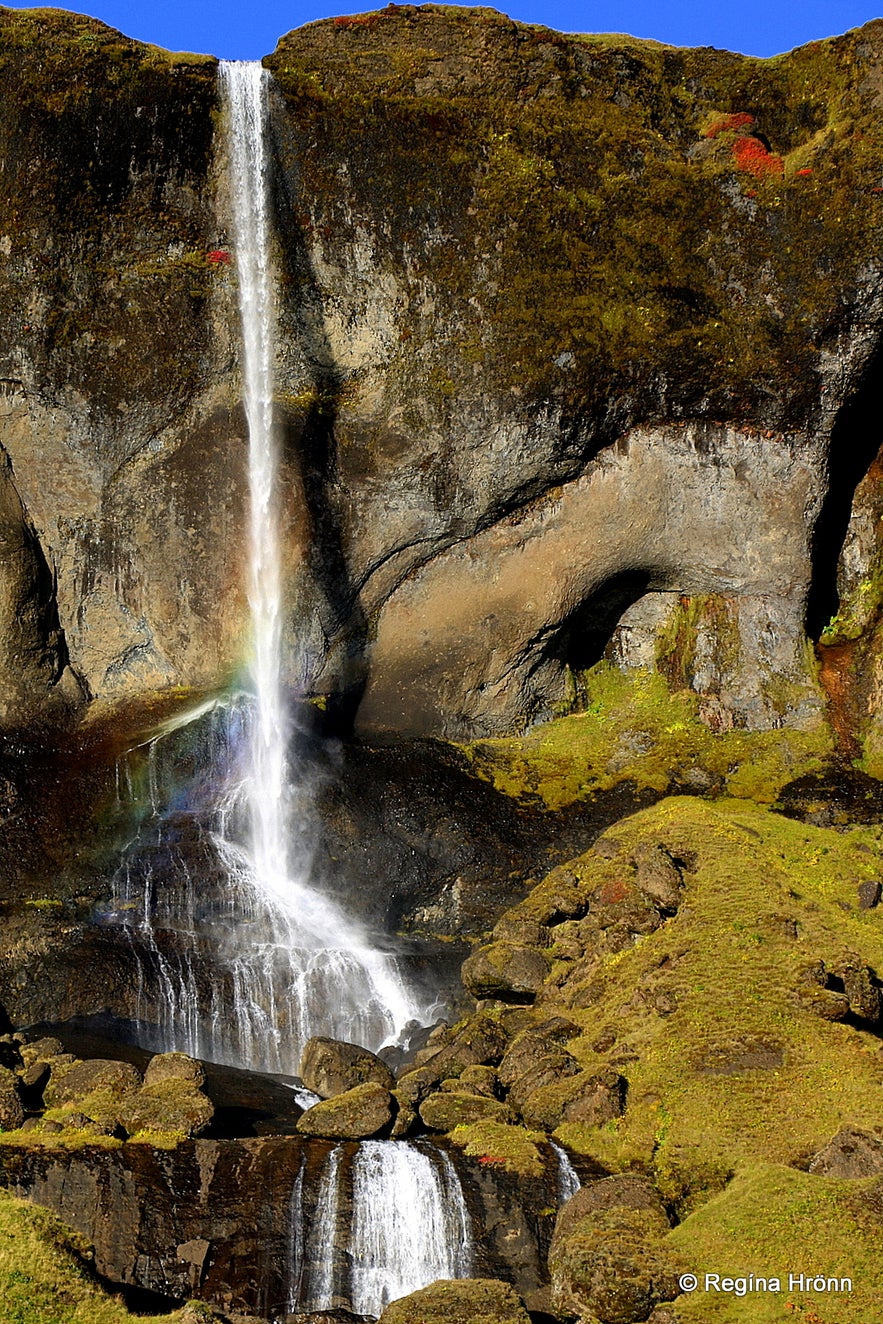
43 1279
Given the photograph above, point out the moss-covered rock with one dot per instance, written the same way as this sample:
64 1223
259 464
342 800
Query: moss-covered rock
505 970
173 1104
12 1112
329 1067
357 1113
465 1301
447 1109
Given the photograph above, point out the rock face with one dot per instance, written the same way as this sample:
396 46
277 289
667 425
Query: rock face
516 434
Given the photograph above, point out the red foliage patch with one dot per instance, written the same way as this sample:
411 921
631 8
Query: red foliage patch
355 21
490 1158
612 893
807 170
219 256
740 120
751 156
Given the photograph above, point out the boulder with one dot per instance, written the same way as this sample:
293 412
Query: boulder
505 970
658 876
12 1112
863 992
527 1052
74 1082
445 1110
868 894
518 928
608 1260
41 1050
174 1066
168 1104
851 1153
464 1301
586 1097
355 1114
479 1080
329 1067
479 1041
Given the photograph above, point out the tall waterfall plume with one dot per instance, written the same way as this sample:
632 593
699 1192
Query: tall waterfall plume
241 958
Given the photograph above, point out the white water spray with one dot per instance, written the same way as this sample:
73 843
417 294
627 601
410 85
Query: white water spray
407 1226
249 968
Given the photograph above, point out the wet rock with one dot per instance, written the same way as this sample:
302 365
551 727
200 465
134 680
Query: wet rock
505 970
445 1110
356 1114
329 1067
174 1066
587 1098
12 1112
658 876
607 1257
476 1300
851 1153
868 894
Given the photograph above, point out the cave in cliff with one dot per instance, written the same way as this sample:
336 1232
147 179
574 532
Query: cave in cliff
441 703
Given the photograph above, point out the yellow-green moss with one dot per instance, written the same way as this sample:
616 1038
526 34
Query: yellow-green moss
512 1148
635 729
731 971
773 1221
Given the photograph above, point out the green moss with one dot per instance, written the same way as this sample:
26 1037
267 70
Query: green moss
615 224
44 1274
773 1221
634 729
513 1148
735 1068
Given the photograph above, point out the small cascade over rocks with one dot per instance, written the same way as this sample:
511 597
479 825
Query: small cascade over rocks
567 1176
390 1218
240 957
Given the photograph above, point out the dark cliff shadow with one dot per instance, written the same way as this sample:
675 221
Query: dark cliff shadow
855 443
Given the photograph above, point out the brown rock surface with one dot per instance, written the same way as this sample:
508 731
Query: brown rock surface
356 1114
329 1067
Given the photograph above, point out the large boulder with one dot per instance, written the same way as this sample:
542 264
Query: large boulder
77 1082
607 1258
171 1104
174 1066
329 1067
479 1041
355 1114
447 1109
587 1097
505 970
464 1301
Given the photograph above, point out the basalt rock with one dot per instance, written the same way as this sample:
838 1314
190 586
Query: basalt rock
505 970
355 1114
449 1108
329 1067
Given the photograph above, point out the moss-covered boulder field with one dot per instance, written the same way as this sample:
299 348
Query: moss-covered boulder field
578 393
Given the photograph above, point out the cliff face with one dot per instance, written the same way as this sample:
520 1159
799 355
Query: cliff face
571 329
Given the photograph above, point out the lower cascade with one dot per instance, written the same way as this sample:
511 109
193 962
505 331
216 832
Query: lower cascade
388 1220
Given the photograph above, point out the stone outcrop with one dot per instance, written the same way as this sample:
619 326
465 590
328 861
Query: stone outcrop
501 458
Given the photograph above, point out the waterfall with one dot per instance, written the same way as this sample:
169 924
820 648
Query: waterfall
406 1226
240 957
567 1179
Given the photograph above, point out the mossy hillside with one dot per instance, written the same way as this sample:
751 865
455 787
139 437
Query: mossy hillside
705 1017
590 237
498 1145
635 729
44 1275
773 1221
109 147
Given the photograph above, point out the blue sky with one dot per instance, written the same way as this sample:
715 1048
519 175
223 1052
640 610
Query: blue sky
245 31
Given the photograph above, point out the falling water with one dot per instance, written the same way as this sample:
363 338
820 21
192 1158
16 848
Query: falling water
567 1177
240 959
407 1226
